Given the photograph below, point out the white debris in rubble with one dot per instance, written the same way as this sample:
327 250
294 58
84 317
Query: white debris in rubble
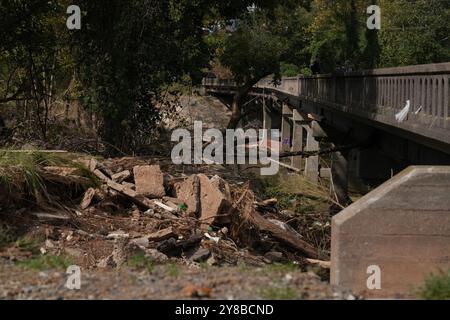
215 239
118 235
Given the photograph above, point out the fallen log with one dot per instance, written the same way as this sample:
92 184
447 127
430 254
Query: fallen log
320 263
283 235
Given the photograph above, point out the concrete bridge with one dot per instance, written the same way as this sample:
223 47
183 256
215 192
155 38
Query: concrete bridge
360 107
397 118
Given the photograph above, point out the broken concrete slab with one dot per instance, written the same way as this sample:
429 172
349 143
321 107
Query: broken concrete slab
213 201
188 191
149 181
399 233
222 186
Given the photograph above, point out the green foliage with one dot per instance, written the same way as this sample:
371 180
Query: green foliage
141 261
254 51
414 32
289 70
46 262
172 270
436 287
28 245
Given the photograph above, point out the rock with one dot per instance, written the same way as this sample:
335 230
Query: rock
49 244
149 181
275 257
213 200
211 261
200 255
121 176
123 250
163 234
87 199
141 242
156 256
188 191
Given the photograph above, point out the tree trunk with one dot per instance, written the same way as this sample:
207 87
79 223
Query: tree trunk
236 112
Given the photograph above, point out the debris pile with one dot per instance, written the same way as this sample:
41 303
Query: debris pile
139 209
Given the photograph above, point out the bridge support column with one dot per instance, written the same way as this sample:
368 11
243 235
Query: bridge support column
339 173
267 118
312 163
297 139
286 128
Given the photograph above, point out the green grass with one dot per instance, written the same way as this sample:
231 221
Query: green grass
141 262
22 171
172 270
28 245
436 287
46 262
278 293
281 268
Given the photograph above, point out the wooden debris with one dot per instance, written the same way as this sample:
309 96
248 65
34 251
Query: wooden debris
161 235
61 171
283 235
121 176
267 203
56 219
87 199
165 207
320 263
101 175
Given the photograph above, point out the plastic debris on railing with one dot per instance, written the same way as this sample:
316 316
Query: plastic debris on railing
403 114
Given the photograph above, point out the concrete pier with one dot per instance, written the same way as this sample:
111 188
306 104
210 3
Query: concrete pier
385 244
